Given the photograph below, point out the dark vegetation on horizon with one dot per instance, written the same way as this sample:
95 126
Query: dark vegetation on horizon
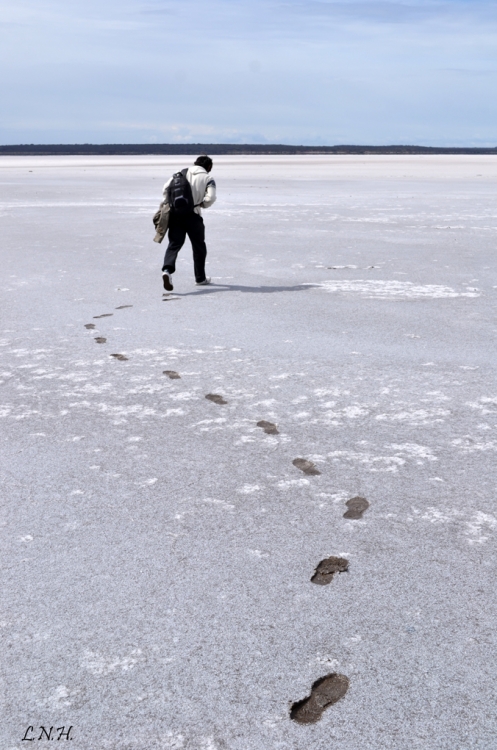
128 149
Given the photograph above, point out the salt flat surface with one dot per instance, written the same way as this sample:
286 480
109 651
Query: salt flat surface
158 546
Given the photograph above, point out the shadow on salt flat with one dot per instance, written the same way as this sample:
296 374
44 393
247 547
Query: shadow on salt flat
215 288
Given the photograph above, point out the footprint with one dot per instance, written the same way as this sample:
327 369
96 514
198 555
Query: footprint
100 340
171 374
89 325
121 307
105 315
170 299
325 692
120 357
216 398
306 466
268 427
356 507
327 568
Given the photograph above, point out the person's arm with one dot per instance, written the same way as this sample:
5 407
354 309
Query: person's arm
210 194
164 189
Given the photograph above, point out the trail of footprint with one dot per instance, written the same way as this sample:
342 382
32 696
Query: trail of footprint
216 398
120 357
121 307
268 427
100 340
306 466
356 507
105 315
90 326
172 374
327 569
324 693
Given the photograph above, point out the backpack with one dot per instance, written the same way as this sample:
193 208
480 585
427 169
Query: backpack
180 195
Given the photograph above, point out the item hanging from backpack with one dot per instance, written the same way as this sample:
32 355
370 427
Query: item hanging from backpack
161 221
179 192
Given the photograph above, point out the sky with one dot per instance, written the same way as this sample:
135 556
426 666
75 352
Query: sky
311 72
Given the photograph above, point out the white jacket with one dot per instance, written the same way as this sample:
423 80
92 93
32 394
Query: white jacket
203 188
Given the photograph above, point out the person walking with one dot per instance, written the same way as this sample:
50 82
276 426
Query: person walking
186 219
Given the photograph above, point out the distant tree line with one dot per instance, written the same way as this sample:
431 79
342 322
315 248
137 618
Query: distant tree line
129 149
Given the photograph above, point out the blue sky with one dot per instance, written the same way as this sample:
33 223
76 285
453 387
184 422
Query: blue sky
260 71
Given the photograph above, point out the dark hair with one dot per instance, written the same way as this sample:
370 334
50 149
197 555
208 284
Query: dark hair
205 162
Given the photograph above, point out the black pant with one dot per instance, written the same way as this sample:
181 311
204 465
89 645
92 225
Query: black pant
181 225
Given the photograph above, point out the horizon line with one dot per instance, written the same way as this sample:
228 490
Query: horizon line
172 149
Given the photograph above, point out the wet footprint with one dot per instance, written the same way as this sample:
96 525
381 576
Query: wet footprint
120 357
327 568
105 315
172 374
216 398
121 307
100 340
306 466
89 326
356 507
268 427
325 692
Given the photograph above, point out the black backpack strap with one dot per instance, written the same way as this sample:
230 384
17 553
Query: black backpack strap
183 172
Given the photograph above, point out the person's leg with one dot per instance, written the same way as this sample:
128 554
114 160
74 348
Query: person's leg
177 235
196 232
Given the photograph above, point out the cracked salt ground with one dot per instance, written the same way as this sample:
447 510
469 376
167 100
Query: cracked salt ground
376 289
473 528
166 545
